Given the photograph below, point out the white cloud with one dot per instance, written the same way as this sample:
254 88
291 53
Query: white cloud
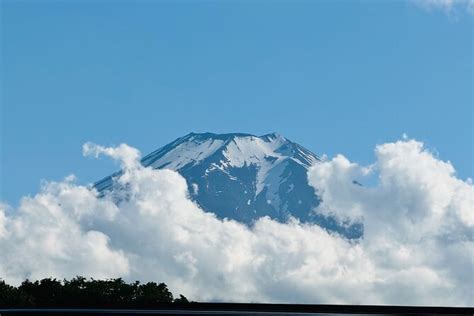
418 247
418 219
45 236
448 6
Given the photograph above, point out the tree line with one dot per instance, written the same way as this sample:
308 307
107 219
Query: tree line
80 292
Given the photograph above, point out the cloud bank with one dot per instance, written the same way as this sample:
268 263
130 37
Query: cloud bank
417 248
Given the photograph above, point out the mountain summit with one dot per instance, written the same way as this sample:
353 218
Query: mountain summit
244 177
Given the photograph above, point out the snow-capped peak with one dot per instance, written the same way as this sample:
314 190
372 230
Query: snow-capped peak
238 149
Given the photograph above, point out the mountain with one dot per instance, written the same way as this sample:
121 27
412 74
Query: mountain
245 177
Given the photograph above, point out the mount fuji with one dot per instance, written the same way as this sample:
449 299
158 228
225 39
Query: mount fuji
245 177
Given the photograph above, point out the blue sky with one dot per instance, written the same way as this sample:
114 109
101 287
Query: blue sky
334 76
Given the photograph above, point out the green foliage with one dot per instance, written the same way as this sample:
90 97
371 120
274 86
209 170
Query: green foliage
80 292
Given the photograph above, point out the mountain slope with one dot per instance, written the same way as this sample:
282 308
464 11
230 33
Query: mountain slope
244 177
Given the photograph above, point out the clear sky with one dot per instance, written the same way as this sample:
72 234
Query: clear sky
334 76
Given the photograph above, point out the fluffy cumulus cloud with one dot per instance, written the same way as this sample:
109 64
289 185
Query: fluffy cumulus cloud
417 246
418 218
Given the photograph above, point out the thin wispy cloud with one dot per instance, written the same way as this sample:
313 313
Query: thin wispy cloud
417 246
448 6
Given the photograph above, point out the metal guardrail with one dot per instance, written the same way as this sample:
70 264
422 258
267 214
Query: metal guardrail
252 309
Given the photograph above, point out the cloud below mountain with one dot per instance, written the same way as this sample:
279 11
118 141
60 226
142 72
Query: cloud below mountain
417 247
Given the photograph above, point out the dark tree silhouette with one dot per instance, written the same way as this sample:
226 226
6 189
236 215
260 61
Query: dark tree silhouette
12 297
81 292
